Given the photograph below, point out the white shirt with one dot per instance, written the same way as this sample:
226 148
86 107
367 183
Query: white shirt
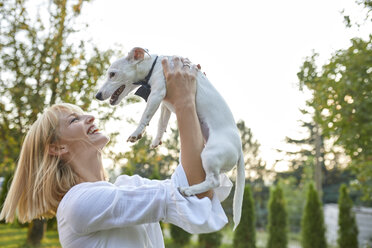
127 213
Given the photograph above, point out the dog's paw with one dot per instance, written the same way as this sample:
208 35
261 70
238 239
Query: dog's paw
186 191
155 143
134 138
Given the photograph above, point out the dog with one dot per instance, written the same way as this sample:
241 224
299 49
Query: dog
223 149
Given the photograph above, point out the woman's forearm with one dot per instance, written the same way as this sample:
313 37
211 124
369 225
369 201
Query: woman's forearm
192 145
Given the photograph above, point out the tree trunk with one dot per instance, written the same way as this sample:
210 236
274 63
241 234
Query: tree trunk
36 231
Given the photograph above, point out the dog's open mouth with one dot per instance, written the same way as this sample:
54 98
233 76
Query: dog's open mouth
116 94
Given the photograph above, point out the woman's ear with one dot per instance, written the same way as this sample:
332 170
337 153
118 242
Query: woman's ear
57 150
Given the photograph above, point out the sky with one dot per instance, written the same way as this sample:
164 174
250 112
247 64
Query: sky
251 51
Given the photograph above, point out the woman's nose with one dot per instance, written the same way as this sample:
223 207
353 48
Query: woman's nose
89 119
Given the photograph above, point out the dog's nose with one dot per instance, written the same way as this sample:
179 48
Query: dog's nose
99 96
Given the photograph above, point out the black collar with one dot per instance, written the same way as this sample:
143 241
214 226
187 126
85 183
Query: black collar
145 89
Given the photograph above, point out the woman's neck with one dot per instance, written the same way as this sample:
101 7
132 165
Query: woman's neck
89 166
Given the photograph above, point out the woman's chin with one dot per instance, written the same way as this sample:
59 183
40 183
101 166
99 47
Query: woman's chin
100 140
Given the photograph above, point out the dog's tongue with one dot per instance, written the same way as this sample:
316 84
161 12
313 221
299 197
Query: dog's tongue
116 94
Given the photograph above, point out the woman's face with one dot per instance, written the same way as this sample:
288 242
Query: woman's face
78 131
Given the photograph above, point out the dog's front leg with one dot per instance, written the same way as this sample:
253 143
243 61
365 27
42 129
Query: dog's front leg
162 126
153 103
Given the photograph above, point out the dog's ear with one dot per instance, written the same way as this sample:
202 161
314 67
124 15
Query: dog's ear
137 54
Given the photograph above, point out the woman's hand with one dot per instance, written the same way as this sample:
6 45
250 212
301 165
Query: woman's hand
181 82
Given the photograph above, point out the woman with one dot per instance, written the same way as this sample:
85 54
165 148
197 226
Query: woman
60 173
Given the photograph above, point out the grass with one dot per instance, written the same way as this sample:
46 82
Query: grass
228 236
12 236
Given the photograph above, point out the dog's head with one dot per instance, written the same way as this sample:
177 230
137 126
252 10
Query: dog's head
121 75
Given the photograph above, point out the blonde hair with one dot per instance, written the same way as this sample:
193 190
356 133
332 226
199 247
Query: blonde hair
40 180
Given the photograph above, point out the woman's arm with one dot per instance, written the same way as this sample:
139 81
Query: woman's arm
181 91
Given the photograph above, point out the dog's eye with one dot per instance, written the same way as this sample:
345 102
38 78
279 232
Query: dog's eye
112 74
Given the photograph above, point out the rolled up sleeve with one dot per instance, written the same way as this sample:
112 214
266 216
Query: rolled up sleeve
192 214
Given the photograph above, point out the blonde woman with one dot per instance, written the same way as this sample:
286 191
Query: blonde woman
60 174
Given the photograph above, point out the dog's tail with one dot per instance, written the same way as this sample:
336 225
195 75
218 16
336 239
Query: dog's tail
239 190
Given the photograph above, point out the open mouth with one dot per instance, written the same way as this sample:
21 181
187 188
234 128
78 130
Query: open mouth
116 94
92 130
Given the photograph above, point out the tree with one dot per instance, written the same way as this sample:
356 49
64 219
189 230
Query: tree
312 226
179 236
295 198
301 160
310 151
171 158
143 160
151 163
348 230
341 92
245 233
4 190
41 65
256 173
277 227
340 99
210 240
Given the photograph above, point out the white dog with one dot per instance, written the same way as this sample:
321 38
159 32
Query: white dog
223 149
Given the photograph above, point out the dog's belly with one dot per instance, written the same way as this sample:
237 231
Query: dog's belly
213 113
211 107
223 148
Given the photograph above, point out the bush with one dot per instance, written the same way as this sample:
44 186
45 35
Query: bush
210 240
179 236
245 233
277 227
313 230
348 230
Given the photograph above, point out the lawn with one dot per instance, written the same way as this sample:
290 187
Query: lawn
14 237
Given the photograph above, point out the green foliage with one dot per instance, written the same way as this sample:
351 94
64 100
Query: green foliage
341 98
301 162
256 173
42 66
179 236
245 233
4 190
303 150
365 17
150 163
210 240
277 227
171 158
312 226
295 198
348 230
42 63
143 160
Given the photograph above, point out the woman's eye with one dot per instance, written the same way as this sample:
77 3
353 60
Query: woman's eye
112 74
73 120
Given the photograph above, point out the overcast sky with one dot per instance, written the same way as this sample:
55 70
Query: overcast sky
250 50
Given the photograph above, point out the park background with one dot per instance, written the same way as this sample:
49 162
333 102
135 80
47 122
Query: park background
296 75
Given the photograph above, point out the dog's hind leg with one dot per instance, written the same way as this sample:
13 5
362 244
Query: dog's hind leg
211 181
162 126
217 157
211 164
